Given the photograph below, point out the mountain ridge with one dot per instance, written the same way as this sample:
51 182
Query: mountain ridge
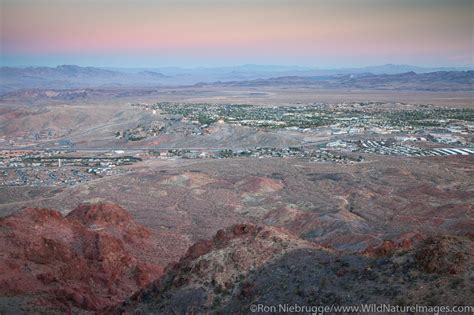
73 76
245 265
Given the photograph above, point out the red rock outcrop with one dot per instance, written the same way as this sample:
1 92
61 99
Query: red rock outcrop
245 265
90 259
222 261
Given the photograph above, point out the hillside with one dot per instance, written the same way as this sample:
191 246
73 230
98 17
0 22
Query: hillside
97 259
248 265
90 259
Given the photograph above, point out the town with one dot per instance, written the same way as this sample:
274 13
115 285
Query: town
334 133
53 168
374 119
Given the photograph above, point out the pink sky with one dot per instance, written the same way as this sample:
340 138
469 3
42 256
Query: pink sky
433 32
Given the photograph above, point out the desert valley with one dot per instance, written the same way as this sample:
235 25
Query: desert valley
236 157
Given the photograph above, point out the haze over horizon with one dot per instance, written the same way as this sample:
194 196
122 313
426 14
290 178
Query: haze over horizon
322 34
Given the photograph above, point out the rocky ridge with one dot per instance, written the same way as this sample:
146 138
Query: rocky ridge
245 265
98 260
90 259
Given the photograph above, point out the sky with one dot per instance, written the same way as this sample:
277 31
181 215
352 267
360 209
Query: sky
194 33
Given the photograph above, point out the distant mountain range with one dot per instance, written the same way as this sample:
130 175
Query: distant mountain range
430 81
72 76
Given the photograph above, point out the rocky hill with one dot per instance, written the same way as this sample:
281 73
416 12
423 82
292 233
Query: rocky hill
248 265
97 260
88 260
